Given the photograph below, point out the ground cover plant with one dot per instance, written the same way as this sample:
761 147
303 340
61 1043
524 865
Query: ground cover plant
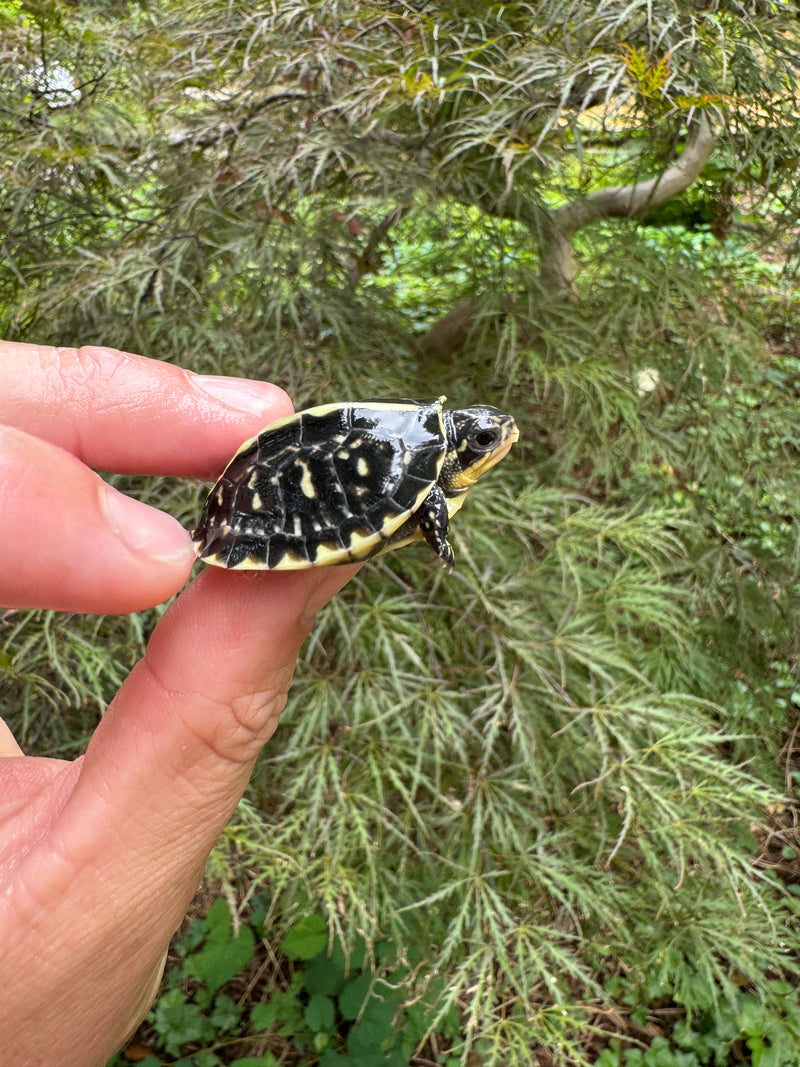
542 810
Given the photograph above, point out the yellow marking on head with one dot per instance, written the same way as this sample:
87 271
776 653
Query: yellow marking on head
256 502
464 479
454 503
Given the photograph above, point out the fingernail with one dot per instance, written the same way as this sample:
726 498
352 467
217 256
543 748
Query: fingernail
243 394
146 530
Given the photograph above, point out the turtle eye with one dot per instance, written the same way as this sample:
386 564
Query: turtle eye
485 439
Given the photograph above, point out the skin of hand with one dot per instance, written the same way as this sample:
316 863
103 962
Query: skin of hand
100 857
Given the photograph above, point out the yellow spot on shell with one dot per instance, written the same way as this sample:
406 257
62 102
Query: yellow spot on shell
361 543
306 482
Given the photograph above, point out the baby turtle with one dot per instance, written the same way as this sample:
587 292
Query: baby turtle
340 483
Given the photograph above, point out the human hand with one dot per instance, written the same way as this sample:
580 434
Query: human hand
100 857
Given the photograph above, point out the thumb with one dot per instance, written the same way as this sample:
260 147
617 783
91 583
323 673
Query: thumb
176 747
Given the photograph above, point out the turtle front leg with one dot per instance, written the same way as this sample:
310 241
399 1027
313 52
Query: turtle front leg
433 520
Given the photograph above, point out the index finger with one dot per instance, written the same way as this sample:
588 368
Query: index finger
132 415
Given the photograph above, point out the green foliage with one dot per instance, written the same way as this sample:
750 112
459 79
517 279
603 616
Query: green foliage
659 1054
761 1030
334 1007
196 178
649 76
222 955
543 781
306 938
345 1015
211 955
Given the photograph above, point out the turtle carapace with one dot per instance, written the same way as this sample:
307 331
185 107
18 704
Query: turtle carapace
343 482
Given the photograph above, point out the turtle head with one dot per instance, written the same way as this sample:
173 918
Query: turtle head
477 438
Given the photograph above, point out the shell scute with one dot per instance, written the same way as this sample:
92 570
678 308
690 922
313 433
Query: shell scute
327 485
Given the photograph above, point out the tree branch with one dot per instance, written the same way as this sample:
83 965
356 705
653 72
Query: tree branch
624 201
555 229
557 271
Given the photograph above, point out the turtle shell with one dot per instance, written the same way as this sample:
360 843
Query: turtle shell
323 486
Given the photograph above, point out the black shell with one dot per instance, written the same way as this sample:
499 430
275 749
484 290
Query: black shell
327 485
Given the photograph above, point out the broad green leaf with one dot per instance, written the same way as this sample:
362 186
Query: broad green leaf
222 956
320 1014
305 938
324 975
